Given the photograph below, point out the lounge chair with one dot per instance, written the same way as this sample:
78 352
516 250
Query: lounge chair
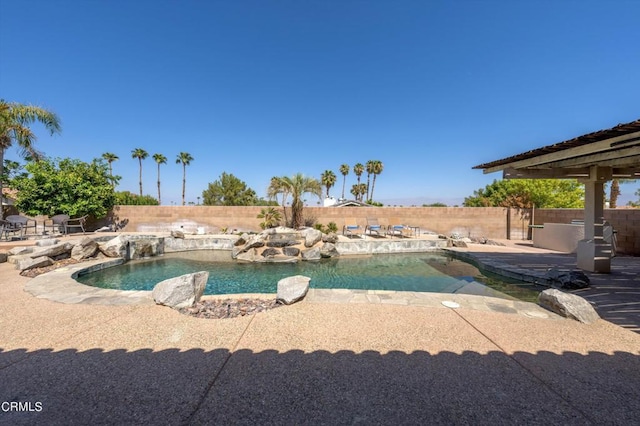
374 228
24 223
398 229
351 228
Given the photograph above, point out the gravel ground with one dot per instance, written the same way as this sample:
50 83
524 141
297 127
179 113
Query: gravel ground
229 308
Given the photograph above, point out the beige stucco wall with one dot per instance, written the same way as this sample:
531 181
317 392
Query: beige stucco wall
475 222
489 222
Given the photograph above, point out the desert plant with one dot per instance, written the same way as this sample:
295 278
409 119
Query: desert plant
271 218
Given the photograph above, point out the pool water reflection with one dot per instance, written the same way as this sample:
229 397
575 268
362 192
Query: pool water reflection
422 272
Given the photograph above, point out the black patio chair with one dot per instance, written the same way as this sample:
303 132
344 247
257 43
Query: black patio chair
56 224
24 222
7 228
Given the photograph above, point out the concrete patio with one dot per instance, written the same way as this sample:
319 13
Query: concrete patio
328 359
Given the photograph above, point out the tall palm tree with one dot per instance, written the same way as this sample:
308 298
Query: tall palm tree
358 169
297 185
185 158
614 192
140 154
377 169
328 179
110 158
369 167
160 159
344 169
15 119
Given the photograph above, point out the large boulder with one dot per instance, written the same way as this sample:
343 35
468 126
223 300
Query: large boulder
181 292
247 256
53 251
292 289
3 257
329 250
568 305
311 236
177 234
143 248
20 250
331 237
115 247
30 263
242 240
291 251
281 243
571 280
270 252
311 254
253 241
86 248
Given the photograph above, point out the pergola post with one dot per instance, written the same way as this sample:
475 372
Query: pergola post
594 253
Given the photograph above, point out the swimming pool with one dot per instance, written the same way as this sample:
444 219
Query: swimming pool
422 272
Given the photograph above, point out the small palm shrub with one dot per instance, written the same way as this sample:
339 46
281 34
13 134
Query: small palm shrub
271 218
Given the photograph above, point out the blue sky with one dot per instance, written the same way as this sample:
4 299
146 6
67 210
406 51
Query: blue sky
271 88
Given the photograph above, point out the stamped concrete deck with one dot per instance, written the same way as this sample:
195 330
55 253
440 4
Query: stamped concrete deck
325 360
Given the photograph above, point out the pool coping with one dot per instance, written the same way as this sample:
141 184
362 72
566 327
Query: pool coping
60 286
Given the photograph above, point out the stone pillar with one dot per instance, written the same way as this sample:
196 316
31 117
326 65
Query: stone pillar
594 254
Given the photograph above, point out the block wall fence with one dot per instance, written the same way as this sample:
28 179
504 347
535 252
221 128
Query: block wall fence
489 222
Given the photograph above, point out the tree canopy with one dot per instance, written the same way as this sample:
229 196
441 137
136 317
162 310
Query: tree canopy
127 198
66 186
15 122
228 190
524 193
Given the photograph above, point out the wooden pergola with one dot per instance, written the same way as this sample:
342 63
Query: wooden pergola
593 159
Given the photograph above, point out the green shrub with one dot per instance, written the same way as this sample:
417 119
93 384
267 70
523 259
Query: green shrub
126 198
271 218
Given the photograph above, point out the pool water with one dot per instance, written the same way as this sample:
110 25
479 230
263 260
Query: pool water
422 272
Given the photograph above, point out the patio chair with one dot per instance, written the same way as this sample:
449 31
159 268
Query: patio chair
351 228
398 229
374 228
75 223
7 228
56 223
24 222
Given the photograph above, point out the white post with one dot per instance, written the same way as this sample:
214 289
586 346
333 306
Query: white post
594 254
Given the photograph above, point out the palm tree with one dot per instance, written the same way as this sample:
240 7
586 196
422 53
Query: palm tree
160 159
369 166
377 169
344 169
15 119
276 186
297 185
110 158
140 154
358 190
185 158
328 179
358 169
615 191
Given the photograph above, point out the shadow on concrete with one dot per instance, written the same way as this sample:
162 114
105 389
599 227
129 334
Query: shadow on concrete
244 387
